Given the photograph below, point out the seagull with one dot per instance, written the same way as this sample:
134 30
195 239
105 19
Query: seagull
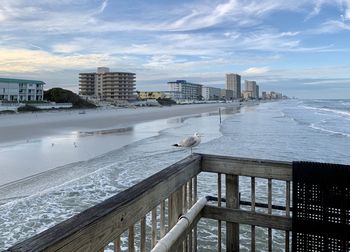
189 141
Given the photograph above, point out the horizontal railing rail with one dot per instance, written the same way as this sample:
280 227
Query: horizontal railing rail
258 168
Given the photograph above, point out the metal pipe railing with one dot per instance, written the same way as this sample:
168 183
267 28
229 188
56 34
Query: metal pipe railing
185 221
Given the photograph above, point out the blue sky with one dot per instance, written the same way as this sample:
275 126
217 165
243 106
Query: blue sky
300 48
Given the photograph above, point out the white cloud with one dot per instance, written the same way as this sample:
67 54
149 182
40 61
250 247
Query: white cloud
253 71
27 61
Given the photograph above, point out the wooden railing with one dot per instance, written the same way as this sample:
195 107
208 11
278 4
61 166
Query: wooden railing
162 199
234 168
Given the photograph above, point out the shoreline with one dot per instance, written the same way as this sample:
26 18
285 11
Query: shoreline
25 127
44 148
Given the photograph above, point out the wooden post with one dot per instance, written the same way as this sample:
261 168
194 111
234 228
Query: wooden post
219 205
117 244
190 204
162 219
252 186
232 201
143 235
154 227
269 202
195 200
287 214
131 238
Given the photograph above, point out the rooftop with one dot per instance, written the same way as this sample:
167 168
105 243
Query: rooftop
8 80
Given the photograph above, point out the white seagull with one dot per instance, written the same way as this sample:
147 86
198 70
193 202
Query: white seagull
190 142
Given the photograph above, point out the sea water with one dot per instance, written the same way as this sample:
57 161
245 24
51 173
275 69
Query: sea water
317 130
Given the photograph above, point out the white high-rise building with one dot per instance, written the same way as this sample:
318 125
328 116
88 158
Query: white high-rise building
233 82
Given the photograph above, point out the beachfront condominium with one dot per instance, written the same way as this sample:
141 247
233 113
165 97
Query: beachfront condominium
233 82
18 90
107 86
251 89
186 91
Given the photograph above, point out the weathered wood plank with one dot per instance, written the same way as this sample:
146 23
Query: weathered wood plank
219 205
269 211
143 235
117 245
232 201
154 227
162 219
287 214
252 191
248 218
131 239
98 225
195 200
247 167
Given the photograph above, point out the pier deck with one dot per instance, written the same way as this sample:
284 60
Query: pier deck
169 199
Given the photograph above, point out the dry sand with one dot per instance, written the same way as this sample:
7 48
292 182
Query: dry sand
35 125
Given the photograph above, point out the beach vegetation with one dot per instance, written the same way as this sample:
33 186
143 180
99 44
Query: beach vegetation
28 108
60 95
166 101
7 112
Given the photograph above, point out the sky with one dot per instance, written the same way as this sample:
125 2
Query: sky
300 48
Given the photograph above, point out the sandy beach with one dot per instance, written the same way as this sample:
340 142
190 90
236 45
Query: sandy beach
33 143
35 125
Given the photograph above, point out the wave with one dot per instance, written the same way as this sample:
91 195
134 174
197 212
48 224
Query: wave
343 113
313 126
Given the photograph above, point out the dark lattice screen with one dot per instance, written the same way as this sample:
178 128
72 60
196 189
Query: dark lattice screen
321 207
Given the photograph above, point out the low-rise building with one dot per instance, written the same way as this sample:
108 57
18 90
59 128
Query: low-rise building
17 90
144 95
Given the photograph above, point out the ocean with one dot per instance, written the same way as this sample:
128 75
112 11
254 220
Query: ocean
314 130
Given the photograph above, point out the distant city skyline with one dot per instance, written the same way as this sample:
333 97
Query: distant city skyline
299 48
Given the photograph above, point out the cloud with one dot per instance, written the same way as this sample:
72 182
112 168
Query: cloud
103 6
253 71
332 26
327 82
28 61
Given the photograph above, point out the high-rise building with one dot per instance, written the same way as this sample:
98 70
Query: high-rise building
226 94
251 89
17 90
183 90
233 82
106 85
211 93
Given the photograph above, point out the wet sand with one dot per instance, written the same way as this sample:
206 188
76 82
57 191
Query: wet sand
30 126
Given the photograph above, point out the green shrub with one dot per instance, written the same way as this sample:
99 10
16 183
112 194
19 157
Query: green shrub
60 95
7 112
166 101
28 108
